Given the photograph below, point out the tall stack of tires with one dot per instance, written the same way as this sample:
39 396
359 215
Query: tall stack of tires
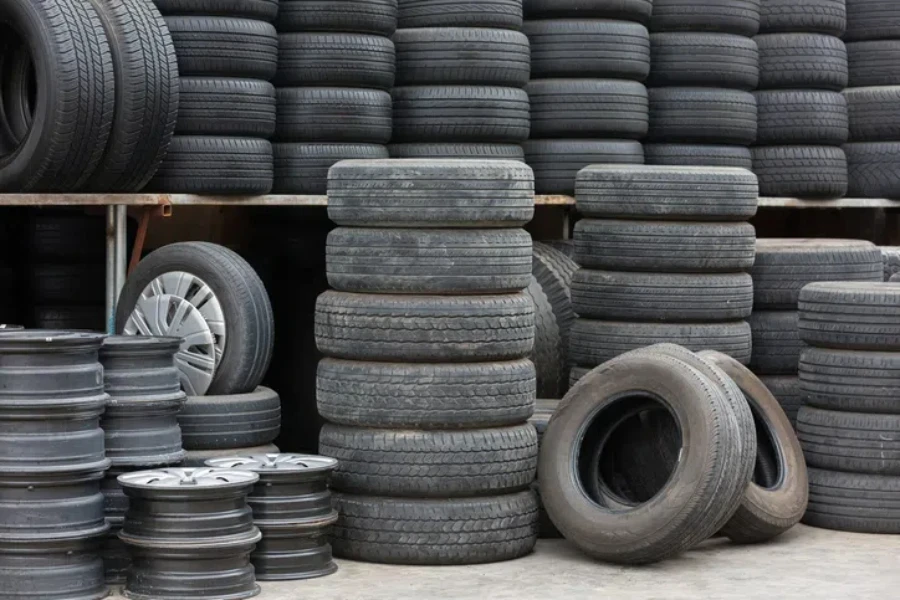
426 389
461 70
704 66
588 101
783 267
849 424
227 54
873 98
663 253
802 114
335 72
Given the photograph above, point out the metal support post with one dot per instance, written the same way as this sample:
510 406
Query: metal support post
121 249
110 287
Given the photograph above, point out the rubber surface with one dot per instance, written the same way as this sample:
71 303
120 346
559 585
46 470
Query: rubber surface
874 63
811 16
333 114
853 502
852 316
302 168
554 270
460 150
226 106
850 442
263 10
581 108
377 17
786 389
801 117
702 115
703 59
801 171
698 155
873 115
872 169
850 380
802 60
740 17
872 20
335 59
224 46
230 421
629 10
556 163
776 342
547 354
500 14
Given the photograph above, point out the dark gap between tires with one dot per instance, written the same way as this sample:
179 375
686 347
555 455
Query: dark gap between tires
768 472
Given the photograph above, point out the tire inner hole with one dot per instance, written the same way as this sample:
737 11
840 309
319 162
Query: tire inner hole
768 472
18 90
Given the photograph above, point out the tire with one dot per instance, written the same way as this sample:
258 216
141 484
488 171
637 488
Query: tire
431 464
769 507
462 531
585 48
677 193
226 107
776 342
850 442
230 166
702 115
263 10
801 171
874 63
576 374
786 389
462 55
873 113
784 266
344 115
198 458
585 108
58 284
57 146
554 270
853 502
440 151
460 113
377 17
428 261
544 410
425 396
64 237
650 297
851 381
812 117
851 316
335 59
664 246
431 193
645 533
595 342
146 95
698 155
244 303
220 422
547 355
497 14
567 247
740 17
828 17
872 169
703 59
69 318
424 328
302 168
556 163
802 60
628 10
872 20
890 256
224 46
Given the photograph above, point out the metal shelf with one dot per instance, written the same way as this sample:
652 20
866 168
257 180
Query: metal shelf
194 200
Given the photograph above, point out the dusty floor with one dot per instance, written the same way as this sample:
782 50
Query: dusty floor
807 563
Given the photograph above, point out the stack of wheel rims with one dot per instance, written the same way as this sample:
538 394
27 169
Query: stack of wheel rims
426 388
850 384
51 463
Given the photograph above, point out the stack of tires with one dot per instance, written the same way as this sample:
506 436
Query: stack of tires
426 389
802 114
227 53
704 65
461 70
335 72
664 253
873 98
783 267
849 424
588 101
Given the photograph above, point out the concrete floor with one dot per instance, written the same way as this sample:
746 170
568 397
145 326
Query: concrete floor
807 563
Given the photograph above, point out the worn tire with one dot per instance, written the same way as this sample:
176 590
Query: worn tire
338 115
703 59
428 261
802 117
890 256
786 389
872 20
378 17
224 46
739 17
802 61
628 10
302 168
872 169
55 284
698 155
431 193
850 442
873 113
424 328
801 171
64 237
556 163
498 14
667 246
263 10
547 354
554 270
850 380
230 421
811 16
198 458
431 464
656 193
874 63
776 342
425 396
68 317
461 531
784 266
853 502
588 108
226 106
650 297
851 315
702 115
328 59
450 150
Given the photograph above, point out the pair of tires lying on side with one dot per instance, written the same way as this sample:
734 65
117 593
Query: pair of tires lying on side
659 449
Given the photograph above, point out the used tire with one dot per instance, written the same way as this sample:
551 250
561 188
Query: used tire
499 14
64 237
802 60
462 150
226 106
302 168
629 10
554 270
556 163
890 256
853 502
698 155
224 46
873 113
424 328
872 20
66 284
429 261
547 355
677 193
786 389
579 108
230 421
702 115
850 442
874 63
872 169
850 380
801 171
740 17
776 342
811 16
431 464
377 17
703 59
851 315
425 396
649 297
802 117
68 318
431 193
264 10
317 114
335 59
667 246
